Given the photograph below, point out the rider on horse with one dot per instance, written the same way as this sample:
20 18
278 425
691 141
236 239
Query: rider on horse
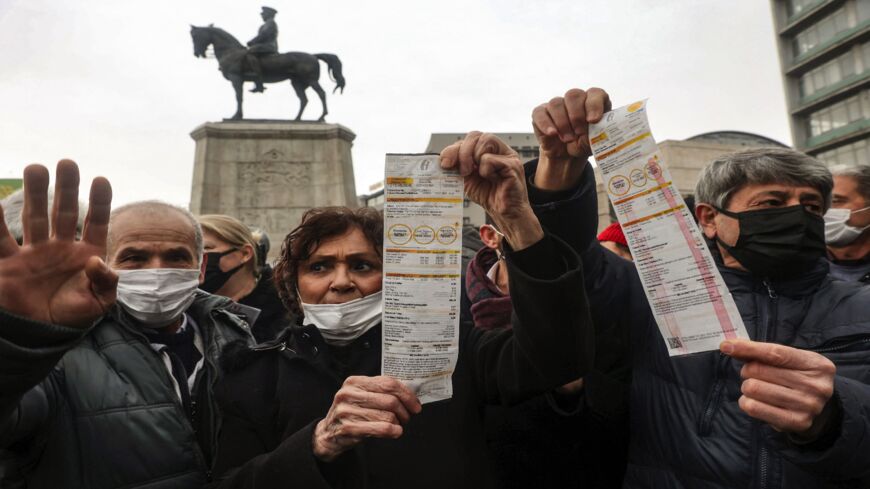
264 44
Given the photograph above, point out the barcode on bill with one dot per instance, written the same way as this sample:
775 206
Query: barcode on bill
674 342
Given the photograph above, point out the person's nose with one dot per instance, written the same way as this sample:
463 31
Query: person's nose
342 282
155 262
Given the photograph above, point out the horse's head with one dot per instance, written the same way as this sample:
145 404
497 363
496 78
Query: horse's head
201 40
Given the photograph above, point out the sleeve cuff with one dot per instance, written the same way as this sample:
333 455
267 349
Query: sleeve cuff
539 260
539 196
28 334
831 421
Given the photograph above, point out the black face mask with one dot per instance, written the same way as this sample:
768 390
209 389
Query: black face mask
779 242
215 278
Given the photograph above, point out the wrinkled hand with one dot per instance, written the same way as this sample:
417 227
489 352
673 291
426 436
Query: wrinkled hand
52 277
562 128
783 386
495 179
364 407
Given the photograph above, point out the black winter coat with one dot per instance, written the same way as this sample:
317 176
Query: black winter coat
686 428
272 403
97 408
273 318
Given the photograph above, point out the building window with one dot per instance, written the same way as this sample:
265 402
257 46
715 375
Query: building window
840 114
826 29
797 7
857 153
830 73
375 201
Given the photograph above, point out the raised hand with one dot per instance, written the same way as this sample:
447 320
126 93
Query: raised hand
52 277
785 387
364 407
495 179
562 129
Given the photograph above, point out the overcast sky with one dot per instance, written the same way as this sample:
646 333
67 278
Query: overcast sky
114 85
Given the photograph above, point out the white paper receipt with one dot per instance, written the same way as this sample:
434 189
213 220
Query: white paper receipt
692 306
422 269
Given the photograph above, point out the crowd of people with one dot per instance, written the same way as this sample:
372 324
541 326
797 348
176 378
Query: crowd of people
145 347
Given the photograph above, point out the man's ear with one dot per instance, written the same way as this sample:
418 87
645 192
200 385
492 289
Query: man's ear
706 216
489 236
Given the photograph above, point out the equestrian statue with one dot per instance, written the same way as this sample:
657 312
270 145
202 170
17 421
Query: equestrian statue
261 63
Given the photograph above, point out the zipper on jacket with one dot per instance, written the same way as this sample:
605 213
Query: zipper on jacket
767 334
764 465
841 346
714 400
770 325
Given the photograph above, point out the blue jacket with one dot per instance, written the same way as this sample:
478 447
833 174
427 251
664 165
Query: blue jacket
687 430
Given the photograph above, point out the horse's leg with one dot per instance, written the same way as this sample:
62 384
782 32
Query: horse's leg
303 99
320 93
238 84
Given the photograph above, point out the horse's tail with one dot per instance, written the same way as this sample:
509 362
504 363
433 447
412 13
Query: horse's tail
334 65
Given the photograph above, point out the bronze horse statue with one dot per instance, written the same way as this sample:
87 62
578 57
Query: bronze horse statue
302 69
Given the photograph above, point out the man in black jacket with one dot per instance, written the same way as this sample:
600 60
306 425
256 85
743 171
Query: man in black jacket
847 224
95 394
790 409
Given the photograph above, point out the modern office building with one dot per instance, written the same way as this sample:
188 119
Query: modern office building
824 52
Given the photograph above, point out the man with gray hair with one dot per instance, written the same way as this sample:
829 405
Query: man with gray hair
789 408
13 205
847 224
98 393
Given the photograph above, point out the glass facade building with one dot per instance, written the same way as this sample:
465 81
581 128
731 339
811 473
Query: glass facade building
824 52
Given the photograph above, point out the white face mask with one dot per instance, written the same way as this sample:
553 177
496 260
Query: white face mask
837 232
341 324
157 296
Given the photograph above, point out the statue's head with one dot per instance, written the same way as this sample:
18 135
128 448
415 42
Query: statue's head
201 40
268 13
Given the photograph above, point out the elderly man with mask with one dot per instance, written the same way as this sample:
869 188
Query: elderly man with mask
847 224
791 407
93 393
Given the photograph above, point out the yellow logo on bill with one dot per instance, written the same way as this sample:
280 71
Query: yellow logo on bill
635 107
599 138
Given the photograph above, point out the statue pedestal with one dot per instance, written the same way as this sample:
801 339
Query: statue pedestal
268 173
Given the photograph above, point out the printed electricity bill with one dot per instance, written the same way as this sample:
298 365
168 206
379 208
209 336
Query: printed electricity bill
422 269
692 306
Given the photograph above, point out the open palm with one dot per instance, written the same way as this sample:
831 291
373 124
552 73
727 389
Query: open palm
53 277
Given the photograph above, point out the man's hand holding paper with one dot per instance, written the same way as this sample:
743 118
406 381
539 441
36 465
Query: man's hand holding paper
783 386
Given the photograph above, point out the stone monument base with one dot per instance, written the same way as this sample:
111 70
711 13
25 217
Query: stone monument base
268 173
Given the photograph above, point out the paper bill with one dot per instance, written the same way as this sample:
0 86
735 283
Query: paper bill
692 306
422 269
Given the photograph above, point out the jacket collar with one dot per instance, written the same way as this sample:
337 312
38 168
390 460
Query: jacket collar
204 308
741 281
305 343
